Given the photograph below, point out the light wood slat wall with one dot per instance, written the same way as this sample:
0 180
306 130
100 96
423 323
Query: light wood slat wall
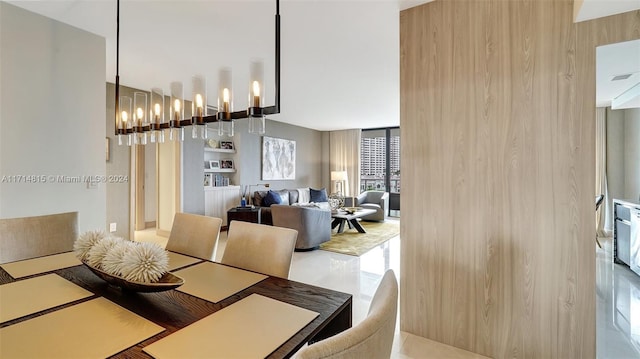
497 127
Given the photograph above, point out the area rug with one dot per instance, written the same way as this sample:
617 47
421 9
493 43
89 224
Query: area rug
354 243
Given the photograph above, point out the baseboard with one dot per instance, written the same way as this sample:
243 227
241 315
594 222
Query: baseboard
163 233
150 224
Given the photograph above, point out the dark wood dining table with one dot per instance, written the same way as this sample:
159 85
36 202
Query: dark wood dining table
174 310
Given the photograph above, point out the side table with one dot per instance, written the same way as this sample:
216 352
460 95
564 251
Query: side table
246 214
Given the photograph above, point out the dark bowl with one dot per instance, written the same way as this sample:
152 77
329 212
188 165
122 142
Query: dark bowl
166 282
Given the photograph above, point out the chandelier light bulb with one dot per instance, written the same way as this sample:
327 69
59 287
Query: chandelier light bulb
199 105
140 114
225 100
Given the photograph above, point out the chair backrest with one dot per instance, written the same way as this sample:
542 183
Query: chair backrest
30 237
260 248
195 235
599 201
371 338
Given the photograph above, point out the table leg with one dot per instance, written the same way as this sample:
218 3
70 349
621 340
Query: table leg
357 225
335 223
341 226
340 323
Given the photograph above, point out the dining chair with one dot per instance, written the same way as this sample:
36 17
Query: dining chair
371 338
194 235
37 236
260 248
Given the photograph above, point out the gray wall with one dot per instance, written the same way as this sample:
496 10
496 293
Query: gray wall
119 164
192 173
623 153
309 154
632 153
150 201
51 117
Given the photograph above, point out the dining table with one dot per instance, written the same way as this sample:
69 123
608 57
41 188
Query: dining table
173 310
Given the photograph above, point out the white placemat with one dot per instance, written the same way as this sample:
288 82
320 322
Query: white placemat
252 328
215 282
32 295
29 267
94 329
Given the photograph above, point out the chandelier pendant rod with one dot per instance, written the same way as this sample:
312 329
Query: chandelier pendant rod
117 118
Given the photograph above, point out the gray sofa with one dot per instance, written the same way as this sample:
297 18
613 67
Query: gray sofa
313 224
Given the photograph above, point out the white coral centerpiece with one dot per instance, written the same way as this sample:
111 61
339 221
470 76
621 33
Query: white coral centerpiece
85 242
99 250
113 260
133 261
146 262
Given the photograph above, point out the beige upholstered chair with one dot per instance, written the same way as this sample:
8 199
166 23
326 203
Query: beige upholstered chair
195 235
260 248
30 237
371 338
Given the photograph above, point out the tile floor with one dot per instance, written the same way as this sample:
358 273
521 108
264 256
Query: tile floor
617 295
617 307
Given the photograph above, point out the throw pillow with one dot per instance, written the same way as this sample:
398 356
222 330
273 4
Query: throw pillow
271 198
318 195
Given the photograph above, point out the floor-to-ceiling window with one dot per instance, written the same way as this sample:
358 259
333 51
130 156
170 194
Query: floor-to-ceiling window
380 164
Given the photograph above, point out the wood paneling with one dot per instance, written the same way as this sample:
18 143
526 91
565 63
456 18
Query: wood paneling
497 121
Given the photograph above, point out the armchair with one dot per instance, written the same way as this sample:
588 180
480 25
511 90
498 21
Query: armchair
377 200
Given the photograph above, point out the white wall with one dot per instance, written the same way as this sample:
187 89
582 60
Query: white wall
51 117
632 153
623 153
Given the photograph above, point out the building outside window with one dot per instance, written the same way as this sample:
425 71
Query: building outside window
380 163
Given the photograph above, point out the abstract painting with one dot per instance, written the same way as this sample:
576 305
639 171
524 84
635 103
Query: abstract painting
278 159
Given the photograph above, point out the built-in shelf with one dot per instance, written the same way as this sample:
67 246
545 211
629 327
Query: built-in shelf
219 150
227 170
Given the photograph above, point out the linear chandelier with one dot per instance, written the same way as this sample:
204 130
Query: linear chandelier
135 119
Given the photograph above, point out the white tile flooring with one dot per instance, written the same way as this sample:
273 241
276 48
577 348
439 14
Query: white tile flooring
617 307
617 295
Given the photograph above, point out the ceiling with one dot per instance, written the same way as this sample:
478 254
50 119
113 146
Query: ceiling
614 60
340 58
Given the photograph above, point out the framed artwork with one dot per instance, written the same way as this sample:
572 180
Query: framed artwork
214 164
226 164
227 145
278 159
207 179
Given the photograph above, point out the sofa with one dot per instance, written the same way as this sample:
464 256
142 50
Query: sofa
312 220
377 200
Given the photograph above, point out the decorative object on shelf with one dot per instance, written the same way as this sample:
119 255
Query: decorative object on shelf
227 145
212 143
214 164
278 159
207 179
226 164
127 264
137 127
